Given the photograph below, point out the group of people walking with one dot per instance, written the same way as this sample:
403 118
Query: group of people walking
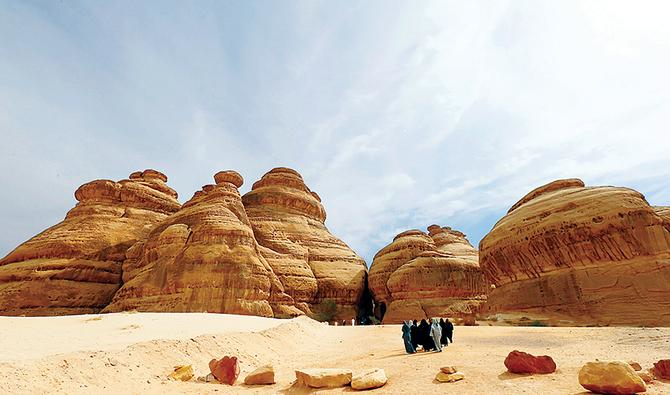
429 336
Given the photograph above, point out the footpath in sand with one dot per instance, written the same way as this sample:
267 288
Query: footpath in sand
134 353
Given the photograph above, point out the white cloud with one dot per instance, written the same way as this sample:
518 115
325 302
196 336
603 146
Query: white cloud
399 116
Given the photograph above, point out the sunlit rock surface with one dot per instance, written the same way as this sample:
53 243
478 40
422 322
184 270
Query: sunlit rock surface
423 275
74 267
584 255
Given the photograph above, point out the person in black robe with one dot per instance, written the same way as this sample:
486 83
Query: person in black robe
414 332
424 334
450 331
407 337
444 340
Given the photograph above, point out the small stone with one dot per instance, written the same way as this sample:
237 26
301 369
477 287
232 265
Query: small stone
319 378
448 369
611 378
261 376
636 366
646 376
182 373
369 379
449 377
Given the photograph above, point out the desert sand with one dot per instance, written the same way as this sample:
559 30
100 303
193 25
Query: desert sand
133 353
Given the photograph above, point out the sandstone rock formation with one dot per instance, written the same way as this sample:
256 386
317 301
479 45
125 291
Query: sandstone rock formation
203 258
423 275
523 363
610 378
581 255
74 267
315 267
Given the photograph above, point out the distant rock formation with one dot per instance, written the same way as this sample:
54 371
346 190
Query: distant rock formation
74 267
423 275
581 255
203 258
316 268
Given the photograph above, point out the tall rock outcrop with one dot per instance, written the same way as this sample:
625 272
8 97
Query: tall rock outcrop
581 255
315 267
423 275
203 258
74 267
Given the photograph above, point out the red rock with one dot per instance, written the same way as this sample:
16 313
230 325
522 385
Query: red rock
423 275
521 362
662 369
225 370
579 255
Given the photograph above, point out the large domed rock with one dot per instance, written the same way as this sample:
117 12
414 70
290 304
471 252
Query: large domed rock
585 255
423 275
74 267
203 258
316 268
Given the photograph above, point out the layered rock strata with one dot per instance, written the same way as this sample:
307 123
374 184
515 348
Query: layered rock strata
583 255
325 278
423 275
74 267
203 258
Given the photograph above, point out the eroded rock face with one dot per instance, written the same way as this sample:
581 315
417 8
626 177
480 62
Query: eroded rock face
581 254
422 275
203 258
314 266
74 267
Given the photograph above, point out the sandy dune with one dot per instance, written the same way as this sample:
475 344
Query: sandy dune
133 353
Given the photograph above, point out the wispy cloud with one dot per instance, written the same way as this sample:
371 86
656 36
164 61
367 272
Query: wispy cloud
399 115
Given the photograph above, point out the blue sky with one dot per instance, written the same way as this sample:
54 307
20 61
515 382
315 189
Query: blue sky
399 114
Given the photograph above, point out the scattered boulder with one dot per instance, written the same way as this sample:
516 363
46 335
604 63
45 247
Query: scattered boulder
636 366
225 370
646 377
263 375
610 378
319 378
521 362
449 377
369 379
448 369
662 369
182 373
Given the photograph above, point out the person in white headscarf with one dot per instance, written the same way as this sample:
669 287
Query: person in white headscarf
436 334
